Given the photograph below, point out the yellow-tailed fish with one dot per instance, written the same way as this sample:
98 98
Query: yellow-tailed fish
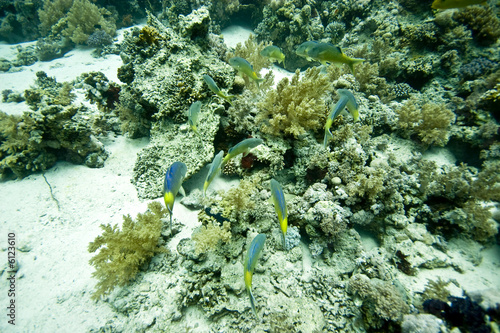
215 89
243 66
447 4
328 53
280 207
273 53
242 147
249 266
346 100
304 48
214 170
172 184
193 112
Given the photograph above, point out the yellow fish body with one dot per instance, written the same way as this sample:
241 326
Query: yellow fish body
328 53
273 53
447 4
280 207
243 66
250 261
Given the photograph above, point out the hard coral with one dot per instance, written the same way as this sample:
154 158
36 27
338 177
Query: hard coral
123 251
295 106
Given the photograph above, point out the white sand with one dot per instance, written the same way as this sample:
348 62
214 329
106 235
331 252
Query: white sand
54 280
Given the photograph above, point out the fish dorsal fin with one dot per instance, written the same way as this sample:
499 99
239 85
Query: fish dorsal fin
181 191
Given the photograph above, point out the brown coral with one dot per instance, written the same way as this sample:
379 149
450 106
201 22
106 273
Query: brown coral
123 251
430 121
296 105
483 22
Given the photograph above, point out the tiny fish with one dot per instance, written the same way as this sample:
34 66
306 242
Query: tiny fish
251 260
215 89
304 48
447 4
346 100
193 112
280 207
243 66
214 170
242 147
273 53
172 184
328 53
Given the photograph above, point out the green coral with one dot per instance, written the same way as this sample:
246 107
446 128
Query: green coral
250 51
211 235
76 19
52 12
123 251
430 122
237 200
296 105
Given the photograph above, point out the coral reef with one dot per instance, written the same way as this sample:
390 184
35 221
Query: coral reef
412 185
122 252
55 130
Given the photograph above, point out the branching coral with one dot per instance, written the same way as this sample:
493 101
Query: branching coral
83 18
237 200
123 251
430 121
209 236
52 12
251 52
296 105
78 23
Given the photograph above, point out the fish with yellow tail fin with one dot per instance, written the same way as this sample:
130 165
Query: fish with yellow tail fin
214 170
193 112
251 260
215 89
172 184
242 147
328 53
346 100
243 66
273 53
448 4
280 207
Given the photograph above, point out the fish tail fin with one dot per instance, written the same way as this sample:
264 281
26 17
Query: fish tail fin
257 81
252 302
355 114
229 99
284 241
328 136
352 62
170 221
